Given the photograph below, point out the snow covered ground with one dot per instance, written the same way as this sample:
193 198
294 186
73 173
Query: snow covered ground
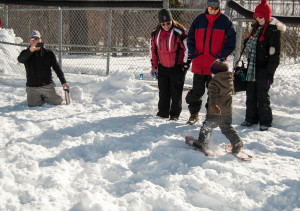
108 151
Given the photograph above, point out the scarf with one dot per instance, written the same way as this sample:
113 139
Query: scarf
251 50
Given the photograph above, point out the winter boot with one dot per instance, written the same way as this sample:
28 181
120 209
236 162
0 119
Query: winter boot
236 148
264 127
247 124
199 145
193 119
173 118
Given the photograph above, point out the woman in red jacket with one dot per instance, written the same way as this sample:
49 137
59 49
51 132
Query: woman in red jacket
169 59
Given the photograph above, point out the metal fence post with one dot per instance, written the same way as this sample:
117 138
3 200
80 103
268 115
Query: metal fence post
166 4
5 25
239 33
108 40
227 9
60 36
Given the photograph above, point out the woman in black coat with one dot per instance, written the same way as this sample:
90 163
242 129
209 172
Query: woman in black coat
263 50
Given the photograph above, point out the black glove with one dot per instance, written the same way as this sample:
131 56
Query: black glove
270 79
221 58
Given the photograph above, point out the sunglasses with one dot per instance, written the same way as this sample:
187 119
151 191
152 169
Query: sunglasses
259 17
213 8
35 39
166 24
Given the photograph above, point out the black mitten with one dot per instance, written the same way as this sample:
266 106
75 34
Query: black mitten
270 79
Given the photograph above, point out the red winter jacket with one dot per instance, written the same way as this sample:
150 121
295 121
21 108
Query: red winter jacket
210 37
169 48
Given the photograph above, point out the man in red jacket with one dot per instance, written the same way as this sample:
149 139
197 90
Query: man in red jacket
211 36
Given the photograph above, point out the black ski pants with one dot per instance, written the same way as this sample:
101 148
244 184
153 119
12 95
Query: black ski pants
170 85
194 96
258 107
225 124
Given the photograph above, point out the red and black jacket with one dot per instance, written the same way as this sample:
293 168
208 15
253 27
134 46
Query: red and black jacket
210 37
168 48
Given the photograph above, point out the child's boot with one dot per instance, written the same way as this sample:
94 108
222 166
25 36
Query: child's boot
236 148
199 145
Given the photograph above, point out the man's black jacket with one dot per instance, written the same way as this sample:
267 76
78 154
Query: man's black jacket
38 67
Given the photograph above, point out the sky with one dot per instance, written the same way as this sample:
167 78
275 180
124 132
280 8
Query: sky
108 150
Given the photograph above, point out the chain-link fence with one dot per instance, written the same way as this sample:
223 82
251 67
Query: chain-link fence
100 41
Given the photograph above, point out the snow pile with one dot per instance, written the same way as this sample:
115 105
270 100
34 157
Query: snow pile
9 53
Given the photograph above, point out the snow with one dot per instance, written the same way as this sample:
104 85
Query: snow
108 151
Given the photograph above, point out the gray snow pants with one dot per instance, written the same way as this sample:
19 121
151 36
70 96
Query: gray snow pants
224 122
37 96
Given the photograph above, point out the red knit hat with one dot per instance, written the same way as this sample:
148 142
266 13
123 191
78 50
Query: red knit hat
263 10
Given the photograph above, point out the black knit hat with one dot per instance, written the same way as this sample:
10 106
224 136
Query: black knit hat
219 66
164 15
213 3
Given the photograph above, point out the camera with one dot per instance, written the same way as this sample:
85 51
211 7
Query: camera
40 44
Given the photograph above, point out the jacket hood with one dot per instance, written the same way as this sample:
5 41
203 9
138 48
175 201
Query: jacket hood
280 26
225 79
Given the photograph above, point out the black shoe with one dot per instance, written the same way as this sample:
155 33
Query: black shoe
247 124
200 146
264 127
236 148
162 116
173 118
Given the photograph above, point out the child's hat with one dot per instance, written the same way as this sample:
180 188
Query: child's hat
220 65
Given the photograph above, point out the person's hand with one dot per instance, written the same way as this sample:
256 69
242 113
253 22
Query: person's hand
153 70
216 109
66 86
33 48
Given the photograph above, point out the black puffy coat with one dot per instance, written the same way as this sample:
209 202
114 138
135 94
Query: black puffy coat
268 50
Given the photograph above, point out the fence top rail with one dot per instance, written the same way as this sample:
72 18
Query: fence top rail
138 49
252 20
102 8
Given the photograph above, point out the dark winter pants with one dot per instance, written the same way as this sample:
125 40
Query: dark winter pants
170 84
258 107
194 96
224 122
